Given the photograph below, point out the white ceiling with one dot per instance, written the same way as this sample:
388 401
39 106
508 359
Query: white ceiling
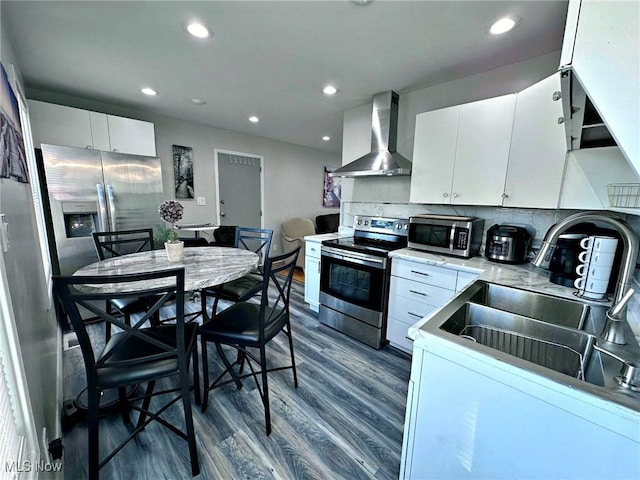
267 58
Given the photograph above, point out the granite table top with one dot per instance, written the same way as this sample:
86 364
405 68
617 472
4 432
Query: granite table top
203 266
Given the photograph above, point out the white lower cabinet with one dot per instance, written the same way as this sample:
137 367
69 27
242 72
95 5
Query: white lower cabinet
312 275
416 290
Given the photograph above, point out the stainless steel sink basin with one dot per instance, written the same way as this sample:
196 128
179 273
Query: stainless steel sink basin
542 307
559 348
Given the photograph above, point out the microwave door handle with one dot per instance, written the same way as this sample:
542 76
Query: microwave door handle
102 209
112 208
452 236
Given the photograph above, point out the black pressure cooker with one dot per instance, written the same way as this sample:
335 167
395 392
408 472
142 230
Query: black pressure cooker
507 244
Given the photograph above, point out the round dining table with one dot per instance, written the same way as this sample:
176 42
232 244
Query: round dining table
203 267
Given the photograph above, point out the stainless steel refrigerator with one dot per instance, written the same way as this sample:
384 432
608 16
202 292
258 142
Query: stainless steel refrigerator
90 190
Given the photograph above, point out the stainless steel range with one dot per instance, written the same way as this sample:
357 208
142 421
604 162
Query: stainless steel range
354 278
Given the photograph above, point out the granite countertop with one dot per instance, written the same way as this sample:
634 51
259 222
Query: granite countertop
524 276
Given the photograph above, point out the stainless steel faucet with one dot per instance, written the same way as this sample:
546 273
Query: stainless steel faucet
629 257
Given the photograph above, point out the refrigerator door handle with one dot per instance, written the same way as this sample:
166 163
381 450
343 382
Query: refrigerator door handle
102 209
112 209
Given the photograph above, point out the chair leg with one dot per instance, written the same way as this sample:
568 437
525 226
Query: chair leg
205 374
203 307
146 402
265 389
196 372
124 405
93 404
228 366
293 360
188 420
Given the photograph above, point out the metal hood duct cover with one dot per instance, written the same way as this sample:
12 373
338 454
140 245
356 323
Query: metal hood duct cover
383 159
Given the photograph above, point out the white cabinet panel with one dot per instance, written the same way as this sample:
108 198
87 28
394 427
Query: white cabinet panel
434 155
538 148
420 272
484 138
127 135
312 275
100 131
412 291
59 125
397 335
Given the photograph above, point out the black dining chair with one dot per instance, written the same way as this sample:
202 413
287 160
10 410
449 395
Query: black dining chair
241 289
134 355
251 325
115 244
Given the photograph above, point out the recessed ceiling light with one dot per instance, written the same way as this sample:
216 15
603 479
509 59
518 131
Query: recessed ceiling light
198 30
198 101
329 90
149 91
504 25
254 119
326 138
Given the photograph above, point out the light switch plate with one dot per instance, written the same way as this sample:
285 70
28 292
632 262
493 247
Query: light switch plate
201 201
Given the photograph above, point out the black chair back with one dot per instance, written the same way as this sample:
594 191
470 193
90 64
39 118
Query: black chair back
122 242
224 236
274 311
255 239
159 287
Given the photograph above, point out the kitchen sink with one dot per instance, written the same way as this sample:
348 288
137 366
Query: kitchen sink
542 307
565 350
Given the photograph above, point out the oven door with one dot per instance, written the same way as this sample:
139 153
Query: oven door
354 278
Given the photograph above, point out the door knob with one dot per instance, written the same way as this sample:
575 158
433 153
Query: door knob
222 214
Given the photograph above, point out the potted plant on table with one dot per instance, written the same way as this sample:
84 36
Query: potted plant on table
171 212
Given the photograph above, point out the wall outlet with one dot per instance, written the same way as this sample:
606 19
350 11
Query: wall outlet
201 201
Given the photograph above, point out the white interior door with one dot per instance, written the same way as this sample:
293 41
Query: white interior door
239 192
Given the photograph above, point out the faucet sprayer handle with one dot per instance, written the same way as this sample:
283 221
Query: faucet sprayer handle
617 309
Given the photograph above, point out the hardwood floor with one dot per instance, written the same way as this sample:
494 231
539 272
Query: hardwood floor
344 421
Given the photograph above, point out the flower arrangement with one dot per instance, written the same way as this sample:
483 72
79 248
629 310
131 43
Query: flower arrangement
171 212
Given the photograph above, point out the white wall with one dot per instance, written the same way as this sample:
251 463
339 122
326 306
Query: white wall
293 175
35 322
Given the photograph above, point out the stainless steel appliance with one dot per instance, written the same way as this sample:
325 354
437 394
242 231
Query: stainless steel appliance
90 190
354 278
449 234
507 244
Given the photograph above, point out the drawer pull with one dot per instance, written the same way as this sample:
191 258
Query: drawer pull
415 315
420 273
418 293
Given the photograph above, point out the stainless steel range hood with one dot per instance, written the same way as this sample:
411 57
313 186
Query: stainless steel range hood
383 158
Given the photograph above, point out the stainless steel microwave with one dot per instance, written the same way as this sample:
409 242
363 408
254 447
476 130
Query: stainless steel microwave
448 234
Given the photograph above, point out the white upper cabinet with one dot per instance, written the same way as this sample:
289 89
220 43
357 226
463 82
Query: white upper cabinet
74 127
59 125
461 153
602 47
434 155
538 147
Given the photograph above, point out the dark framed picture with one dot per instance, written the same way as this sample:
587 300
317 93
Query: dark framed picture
331 190
183 171
13 155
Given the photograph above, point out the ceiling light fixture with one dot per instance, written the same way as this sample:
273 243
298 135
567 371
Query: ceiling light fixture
254 119
504 25
198 101
329 90
326 138
149 91
198 30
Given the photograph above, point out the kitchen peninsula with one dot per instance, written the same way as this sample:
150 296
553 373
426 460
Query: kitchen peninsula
474 413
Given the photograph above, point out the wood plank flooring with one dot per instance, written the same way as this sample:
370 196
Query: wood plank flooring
344 421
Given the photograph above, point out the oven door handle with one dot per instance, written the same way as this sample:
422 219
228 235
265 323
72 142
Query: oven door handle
379 263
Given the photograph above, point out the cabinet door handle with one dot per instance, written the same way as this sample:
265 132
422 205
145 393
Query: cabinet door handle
456 195
418 293
445 195
420 273
560 120
114 150
415 315
505 195
556 96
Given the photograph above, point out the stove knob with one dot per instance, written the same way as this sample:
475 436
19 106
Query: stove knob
406 227
359 222
366 222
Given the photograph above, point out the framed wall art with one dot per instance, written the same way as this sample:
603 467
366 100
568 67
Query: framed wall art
331 190
183 171
13 156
